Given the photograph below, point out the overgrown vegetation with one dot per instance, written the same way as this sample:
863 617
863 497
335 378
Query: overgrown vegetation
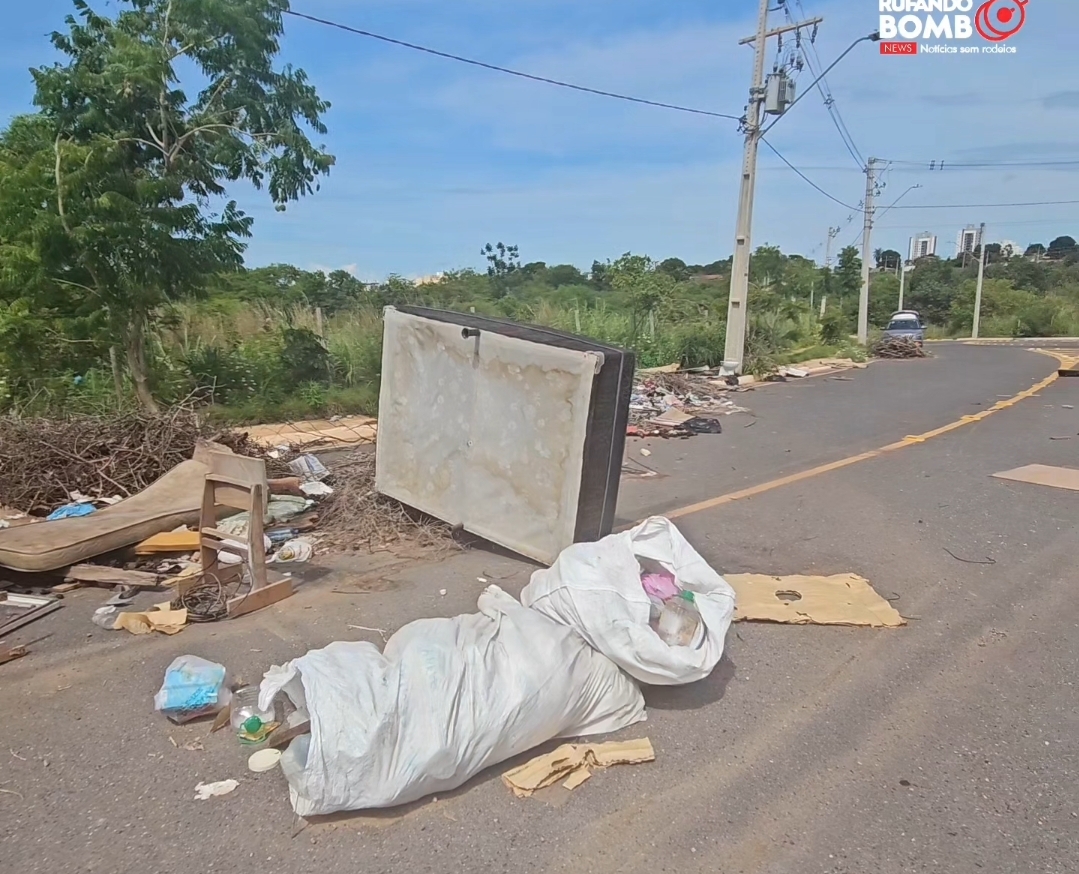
279 343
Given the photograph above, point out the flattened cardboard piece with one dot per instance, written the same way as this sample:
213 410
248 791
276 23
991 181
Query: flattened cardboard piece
573 764
1043 475
842 599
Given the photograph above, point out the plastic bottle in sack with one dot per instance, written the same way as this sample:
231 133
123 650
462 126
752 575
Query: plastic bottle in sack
679 621
247 720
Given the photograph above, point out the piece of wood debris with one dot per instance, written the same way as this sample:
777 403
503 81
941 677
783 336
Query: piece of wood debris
95 574
11 653
35 612
282 736
169 541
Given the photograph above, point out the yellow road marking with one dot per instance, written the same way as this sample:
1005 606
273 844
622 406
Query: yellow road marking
752 491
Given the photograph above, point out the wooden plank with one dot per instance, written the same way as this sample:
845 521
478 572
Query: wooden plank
17 652
28 617
169 541
258 598
92 573
281 737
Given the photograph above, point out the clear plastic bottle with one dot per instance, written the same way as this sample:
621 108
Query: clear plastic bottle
679 621
246 719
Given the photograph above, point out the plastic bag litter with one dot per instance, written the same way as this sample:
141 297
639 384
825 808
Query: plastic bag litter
279 509
447 698
70 511
192 684
595 588
308 468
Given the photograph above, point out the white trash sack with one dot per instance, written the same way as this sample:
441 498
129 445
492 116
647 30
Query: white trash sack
446 699
595 588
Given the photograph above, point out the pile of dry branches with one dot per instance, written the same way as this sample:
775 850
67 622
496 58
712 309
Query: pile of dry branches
356 518
43 461
897 347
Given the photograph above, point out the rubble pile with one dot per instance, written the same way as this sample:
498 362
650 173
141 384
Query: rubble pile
679 405
897 347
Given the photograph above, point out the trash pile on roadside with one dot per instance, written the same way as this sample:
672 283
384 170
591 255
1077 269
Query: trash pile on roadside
897 347
118 502
350 727
679 405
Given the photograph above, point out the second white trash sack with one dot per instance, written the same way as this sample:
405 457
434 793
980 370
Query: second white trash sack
446 699
595 588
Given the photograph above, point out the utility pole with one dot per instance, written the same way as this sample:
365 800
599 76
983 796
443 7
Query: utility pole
734 347
978 290
867 233
832 234
902 280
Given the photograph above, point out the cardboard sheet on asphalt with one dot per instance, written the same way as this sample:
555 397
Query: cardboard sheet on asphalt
1044 475
842 599
573 764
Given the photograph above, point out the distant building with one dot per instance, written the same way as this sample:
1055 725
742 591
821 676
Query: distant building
922 246
970 238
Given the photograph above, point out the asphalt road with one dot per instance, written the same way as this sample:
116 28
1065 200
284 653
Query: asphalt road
949 745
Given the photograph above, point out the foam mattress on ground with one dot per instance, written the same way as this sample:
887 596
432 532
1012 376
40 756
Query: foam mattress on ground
173 500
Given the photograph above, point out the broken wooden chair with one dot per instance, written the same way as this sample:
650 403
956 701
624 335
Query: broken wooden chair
238 482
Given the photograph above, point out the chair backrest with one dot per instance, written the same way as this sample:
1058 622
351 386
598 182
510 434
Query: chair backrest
234 476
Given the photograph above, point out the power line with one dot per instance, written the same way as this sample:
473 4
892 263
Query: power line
846 168
1032 222
806 178
826 92
937 166
989 205
873 36
508 71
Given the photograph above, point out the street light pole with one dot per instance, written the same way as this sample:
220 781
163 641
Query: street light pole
978 290
734 345
867 234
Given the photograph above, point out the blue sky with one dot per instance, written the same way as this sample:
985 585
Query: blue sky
436 158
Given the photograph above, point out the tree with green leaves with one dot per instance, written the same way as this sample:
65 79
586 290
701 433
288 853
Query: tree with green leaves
645 287
140 127
1062 247
887 259
848 272
503 263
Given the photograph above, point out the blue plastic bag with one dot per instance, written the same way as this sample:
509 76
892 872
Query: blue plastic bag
70 511
191 683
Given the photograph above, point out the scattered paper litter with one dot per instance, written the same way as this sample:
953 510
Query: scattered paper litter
209 790
842 599
573 764
162 618
316 489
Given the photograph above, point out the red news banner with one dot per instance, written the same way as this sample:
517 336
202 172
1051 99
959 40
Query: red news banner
899 48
